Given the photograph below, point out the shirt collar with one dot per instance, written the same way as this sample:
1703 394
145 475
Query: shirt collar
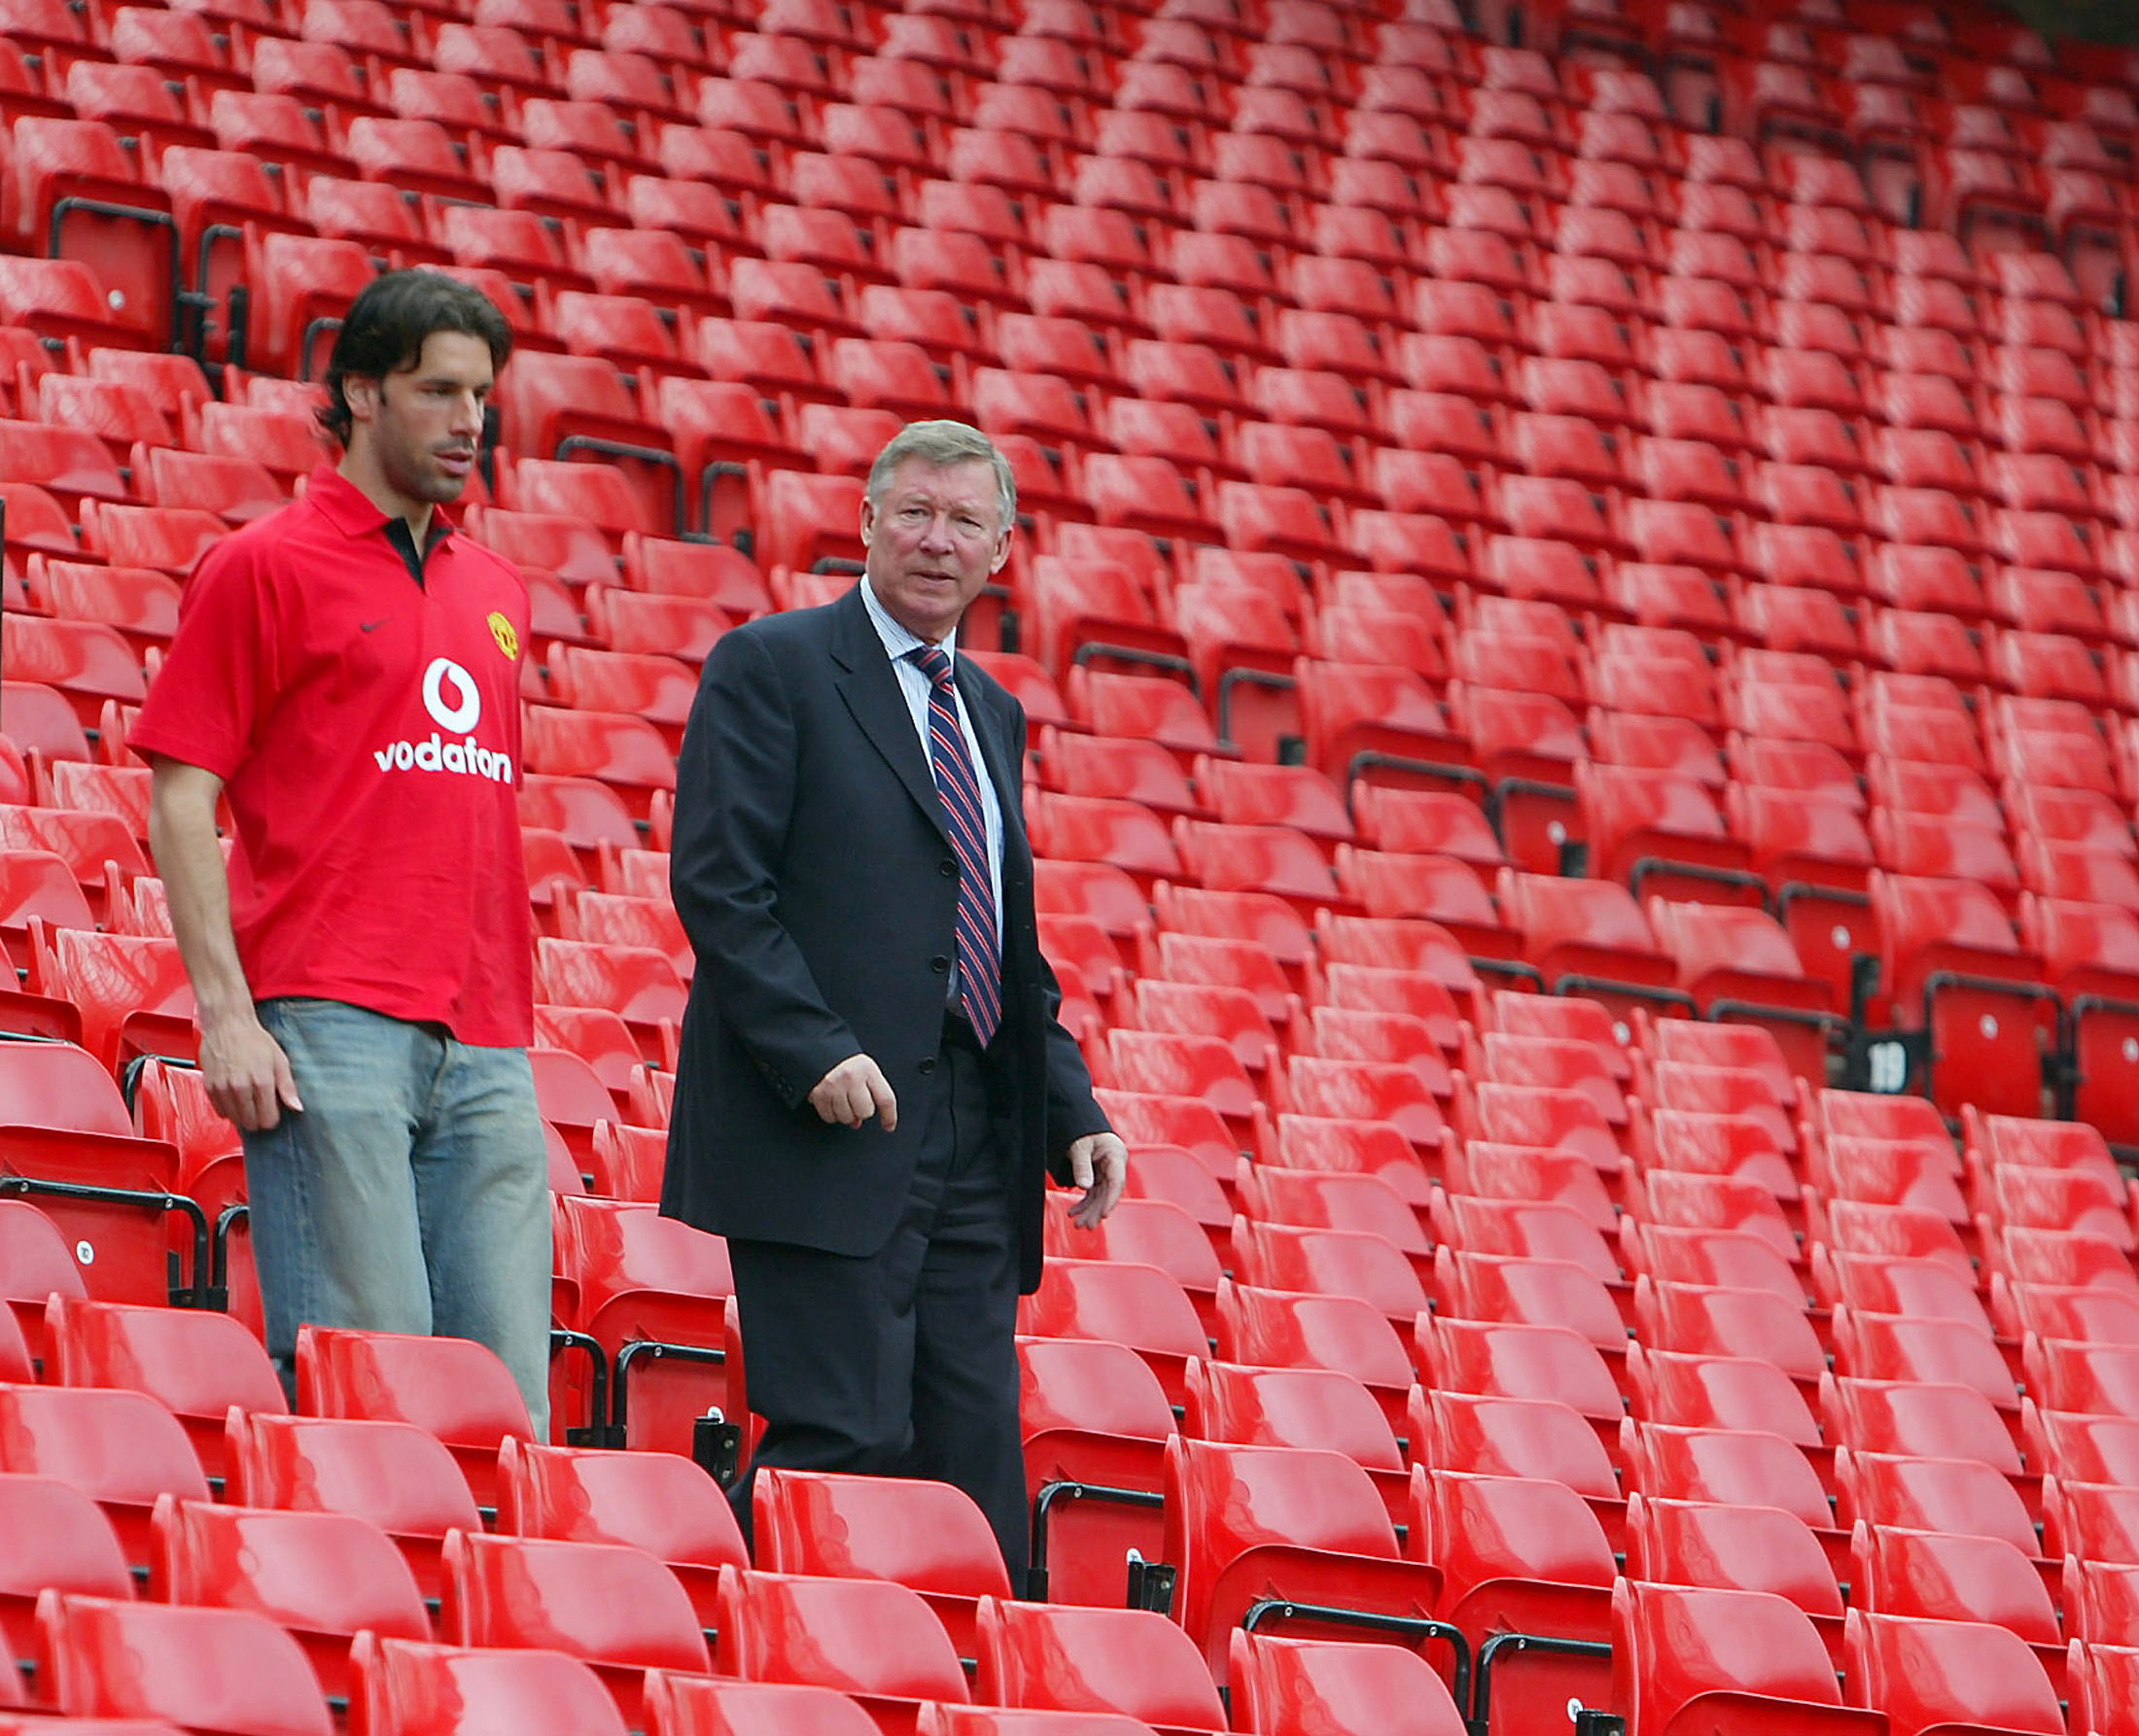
898 643
351 512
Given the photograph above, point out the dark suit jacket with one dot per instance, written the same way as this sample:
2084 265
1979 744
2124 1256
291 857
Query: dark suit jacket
815 877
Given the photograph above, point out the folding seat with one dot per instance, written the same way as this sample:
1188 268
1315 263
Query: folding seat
83 196
1587 935
205 1669
1333 1261
322 1577
1287 1687
2048 666
1525 1558
2097 1521
1548 1059
1522 1360
62 1542
1917 643
456 1389
1352 1146
644 63
1657 829
1728 1204
68 463
1115 768
1525 1202
1201 1010
1732 1323
1094 1417
1921 844
122 1449
1942 1350
1929 928
1101 829
1749 1657
1734 1467
929 1537
1243 1523
1518 1291
390 1473
1915 1419
1425 822
589 129
117 412
1923 1577
1709 1390
2079 1446
873 1640
1927 1674
1138 1305
613 1606
626 330
135 98
1132 1662
1963 1497
1762 1548
404 1687
2051 1199
652 1501
2072 1376
2104 1678
196 1365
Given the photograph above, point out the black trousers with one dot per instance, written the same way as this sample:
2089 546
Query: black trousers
902 1363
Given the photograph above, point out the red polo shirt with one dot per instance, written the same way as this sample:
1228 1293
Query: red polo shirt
366 728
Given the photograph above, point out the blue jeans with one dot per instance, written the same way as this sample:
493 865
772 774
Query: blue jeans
410 1195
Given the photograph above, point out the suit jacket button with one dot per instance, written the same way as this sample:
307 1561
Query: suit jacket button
928 1064
947 868
939 965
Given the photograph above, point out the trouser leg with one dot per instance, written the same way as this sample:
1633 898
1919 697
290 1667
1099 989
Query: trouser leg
482 1198
332 1197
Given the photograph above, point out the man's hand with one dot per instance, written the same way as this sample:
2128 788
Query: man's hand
246 1072
853 1091
1099 1164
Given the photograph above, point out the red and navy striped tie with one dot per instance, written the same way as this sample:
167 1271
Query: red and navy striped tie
979 954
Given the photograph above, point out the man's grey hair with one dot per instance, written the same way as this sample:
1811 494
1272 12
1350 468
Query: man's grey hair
945 444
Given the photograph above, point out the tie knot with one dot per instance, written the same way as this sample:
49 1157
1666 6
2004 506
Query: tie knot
934 663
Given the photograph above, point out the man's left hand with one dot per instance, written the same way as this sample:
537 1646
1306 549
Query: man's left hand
1099 1164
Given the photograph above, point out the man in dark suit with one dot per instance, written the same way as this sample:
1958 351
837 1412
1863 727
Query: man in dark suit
873 1085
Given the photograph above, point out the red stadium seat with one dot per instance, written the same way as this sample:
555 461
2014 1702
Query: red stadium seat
871 1638
1750 1658
615 1607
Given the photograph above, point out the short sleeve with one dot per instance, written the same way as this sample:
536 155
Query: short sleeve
218 680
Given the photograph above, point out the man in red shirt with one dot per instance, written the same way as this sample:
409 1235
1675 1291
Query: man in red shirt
345 676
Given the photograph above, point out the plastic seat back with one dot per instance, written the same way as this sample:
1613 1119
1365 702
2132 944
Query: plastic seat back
1130 1661
57 1538
323 1578
214 1672
1937 1675
1746 1657
452 1388
1308 1688
926 1536
1246 1522
407 1688
870 1638
616 1608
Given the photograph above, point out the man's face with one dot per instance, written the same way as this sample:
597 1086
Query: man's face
933 539
423 423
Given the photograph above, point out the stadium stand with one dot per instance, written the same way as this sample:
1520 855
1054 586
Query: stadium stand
1578 601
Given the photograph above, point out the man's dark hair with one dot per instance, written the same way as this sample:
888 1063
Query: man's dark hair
386 324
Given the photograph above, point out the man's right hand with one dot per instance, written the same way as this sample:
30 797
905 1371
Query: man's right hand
853 1091
247 1074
